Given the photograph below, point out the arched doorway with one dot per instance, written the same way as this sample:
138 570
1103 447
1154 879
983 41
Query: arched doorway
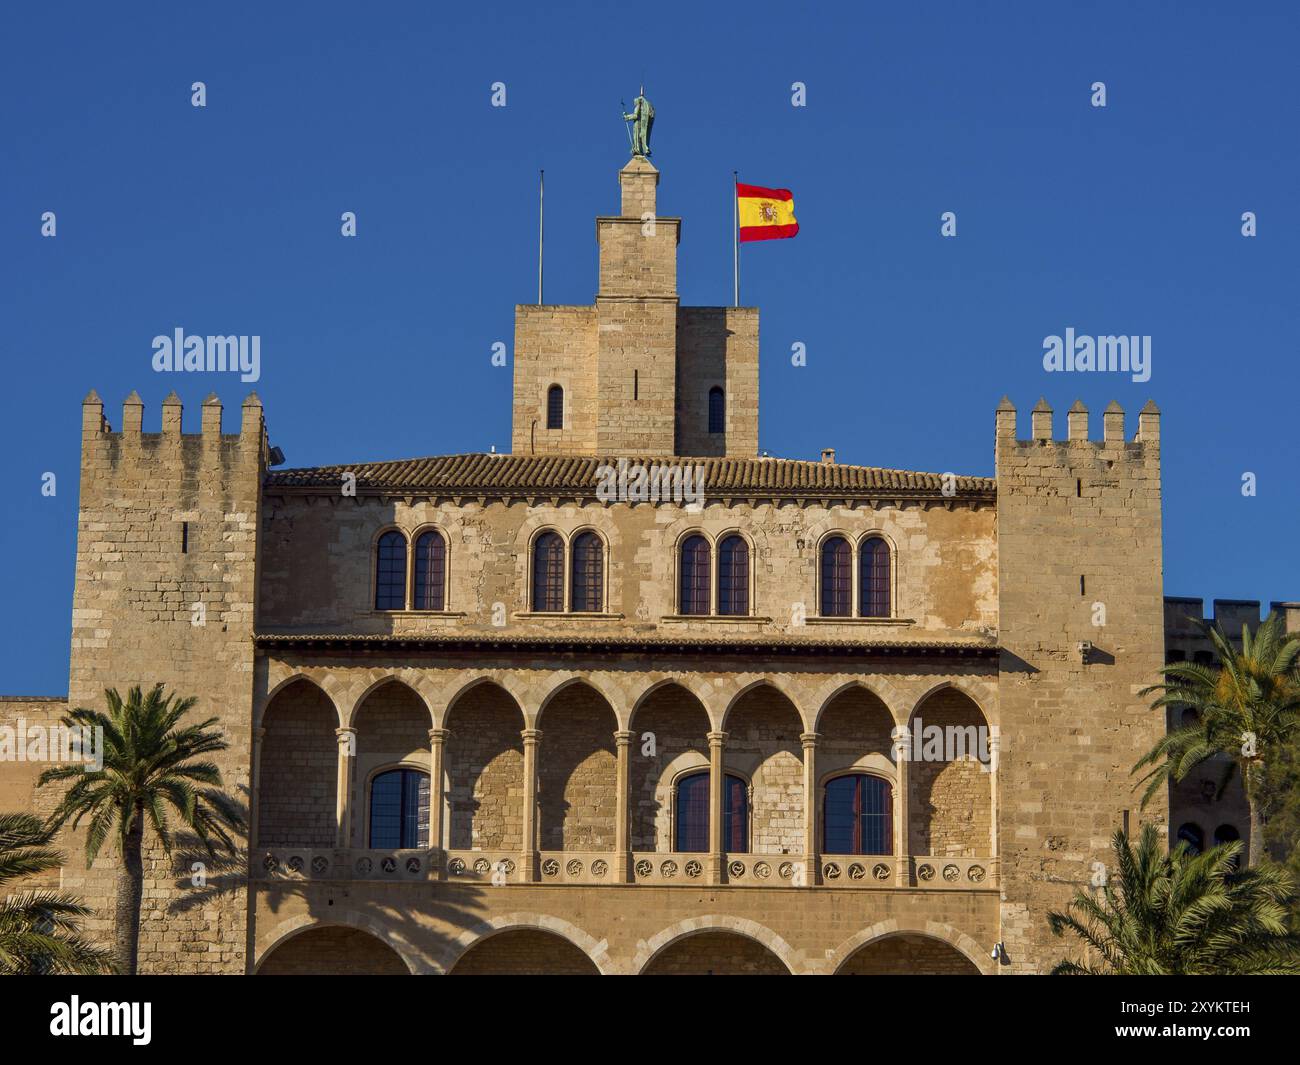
333 950
715 952
907 955
524 952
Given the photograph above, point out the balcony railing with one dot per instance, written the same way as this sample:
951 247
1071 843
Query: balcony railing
659 868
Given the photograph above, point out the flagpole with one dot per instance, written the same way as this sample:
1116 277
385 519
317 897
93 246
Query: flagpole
735 234
541 195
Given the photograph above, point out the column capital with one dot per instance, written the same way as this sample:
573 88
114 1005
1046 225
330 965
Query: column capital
809 739
438 735
346 732
259 734
624 736
717 739
531 735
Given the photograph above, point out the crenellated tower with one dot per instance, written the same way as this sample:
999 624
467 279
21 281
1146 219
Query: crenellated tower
166 577
1081 626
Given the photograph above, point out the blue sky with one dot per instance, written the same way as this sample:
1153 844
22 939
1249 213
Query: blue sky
1117 220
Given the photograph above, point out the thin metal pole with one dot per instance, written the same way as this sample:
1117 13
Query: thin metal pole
735 234
541 196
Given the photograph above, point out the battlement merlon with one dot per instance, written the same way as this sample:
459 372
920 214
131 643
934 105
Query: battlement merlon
96 430
1184 615
1041 428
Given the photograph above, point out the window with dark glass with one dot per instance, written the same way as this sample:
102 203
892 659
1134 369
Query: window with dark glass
548 572
1192 835
873 578
837 578
430 571
399 809
859 816
588 573
694 596
717 410
555 407
691 828
390 572
733 576
1227 834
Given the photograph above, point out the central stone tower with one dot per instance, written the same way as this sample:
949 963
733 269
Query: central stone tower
635 373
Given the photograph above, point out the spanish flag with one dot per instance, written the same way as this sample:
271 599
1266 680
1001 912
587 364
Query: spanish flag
765 214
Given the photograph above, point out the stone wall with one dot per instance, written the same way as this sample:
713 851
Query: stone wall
317 569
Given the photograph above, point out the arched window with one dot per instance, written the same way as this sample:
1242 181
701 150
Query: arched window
430 571
1192 835
548 572
399 809
555 407
588 573
691 828
873 578
717 410
390 572
859 815
733 576
694 598
1227 834
837 578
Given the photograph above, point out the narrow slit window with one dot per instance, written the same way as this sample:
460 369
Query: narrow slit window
185 538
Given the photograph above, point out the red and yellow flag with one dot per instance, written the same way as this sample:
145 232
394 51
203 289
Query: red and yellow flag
765 214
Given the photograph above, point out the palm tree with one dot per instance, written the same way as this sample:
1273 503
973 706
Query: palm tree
40 930
1244 709
148 768
1182 913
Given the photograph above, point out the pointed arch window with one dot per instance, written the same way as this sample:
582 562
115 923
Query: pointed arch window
548 573
873 578
588 581
390 572
430 571
1192 834
555 407
691 818
858 816
694 597
733 576
399 809
837 578
717 410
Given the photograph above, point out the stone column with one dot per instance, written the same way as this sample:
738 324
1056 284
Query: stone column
717 745
437 798
902 814
528 853
347 741
811 859
622 807
995 754
255 787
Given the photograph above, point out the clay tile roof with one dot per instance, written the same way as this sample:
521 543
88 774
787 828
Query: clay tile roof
548 474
